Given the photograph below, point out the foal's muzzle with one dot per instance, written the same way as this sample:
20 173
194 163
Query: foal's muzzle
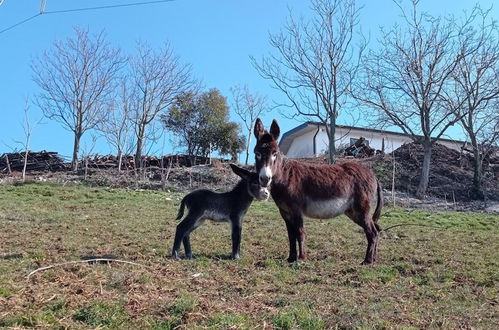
264 194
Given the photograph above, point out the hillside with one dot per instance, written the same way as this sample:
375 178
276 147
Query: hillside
451 173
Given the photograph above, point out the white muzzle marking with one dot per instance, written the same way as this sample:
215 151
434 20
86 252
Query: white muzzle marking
266 193
266 175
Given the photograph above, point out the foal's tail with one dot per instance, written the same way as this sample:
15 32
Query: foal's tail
181 209
379 206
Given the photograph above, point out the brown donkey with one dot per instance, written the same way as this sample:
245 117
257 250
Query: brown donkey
317 191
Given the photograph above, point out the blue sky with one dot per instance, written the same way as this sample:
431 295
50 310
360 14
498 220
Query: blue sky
215 36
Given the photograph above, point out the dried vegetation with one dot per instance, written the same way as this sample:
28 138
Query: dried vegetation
445 277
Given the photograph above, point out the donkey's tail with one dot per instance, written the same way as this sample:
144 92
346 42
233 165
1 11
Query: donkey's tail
181 209
379 206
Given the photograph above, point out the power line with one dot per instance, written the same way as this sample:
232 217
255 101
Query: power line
19 23
82 9
107 7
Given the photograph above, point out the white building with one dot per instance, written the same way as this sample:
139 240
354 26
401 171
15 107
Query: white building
310 139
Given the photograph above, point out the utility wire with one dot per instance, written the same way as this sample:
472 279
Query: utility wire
83 9
19 23
107 7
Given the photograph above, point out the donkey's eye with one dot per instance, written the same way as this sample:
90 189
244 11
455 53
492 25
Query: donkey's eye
274 153
258 155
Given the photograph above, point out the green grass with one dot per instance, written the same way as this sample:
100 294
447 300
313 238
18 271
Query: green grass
442 276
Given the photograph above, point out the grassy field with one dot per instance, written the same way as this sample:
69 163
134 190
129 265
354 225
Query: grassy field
425 277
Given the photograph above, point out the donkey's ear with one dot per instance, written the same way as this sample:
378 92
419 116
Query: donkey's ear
258 129
241 172
275 130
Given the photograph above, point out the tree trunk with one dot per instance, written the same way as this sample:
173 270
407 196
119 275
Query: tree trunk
76 149
8 164
25 163
332 132
247 147
425 170
476 190
140 143
120 159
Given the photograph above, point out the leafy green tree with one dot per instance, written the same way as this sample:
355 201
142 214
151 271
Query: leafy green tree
201 122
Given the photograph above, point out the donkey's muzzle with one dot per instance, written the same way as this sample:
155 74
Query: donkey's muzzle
265 176
264 181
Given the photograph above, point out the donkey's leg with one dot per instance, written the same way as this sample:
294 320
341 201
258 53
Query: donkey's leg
182 229
296 234
292 237
372 242
300 234
364 219
236 226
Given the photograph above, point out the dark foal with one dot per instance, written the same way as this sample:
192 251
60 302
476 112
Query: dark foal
221 207
318 191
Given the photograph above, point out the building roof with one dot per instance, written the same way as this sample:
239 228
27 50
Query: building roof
287 138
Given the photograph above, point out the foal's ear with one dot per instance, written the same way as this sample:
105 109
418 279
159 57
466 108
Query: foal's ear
275 130
241 172
258 129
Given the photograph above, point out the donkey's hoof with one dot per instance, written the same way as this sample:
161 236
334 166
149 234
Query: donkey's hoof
292 259
235 256
175 257
367 262
189 256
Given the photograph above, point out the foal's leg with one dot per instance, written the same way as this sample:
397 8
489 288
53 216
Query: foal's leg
187 238
187 245
236 226
182 229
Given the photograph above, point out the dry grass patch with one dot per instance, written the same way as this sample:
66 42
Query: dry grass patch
426 277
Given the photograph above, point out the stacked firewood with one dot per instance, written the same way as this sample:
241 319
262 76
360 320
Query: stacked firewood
36 161
360 149
128 162
51 161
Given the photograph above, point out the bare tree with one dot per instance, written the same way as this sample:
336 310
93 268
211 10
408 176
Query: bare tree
28 127
406 78
316 62
476 87
87 150
118 128
248 106
76 78
158 77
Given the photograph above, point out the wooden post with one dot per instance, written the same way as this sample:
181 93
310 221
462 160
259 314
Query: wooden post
86 166
163 183
170 164
210 155
454 200
393 177
143 163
